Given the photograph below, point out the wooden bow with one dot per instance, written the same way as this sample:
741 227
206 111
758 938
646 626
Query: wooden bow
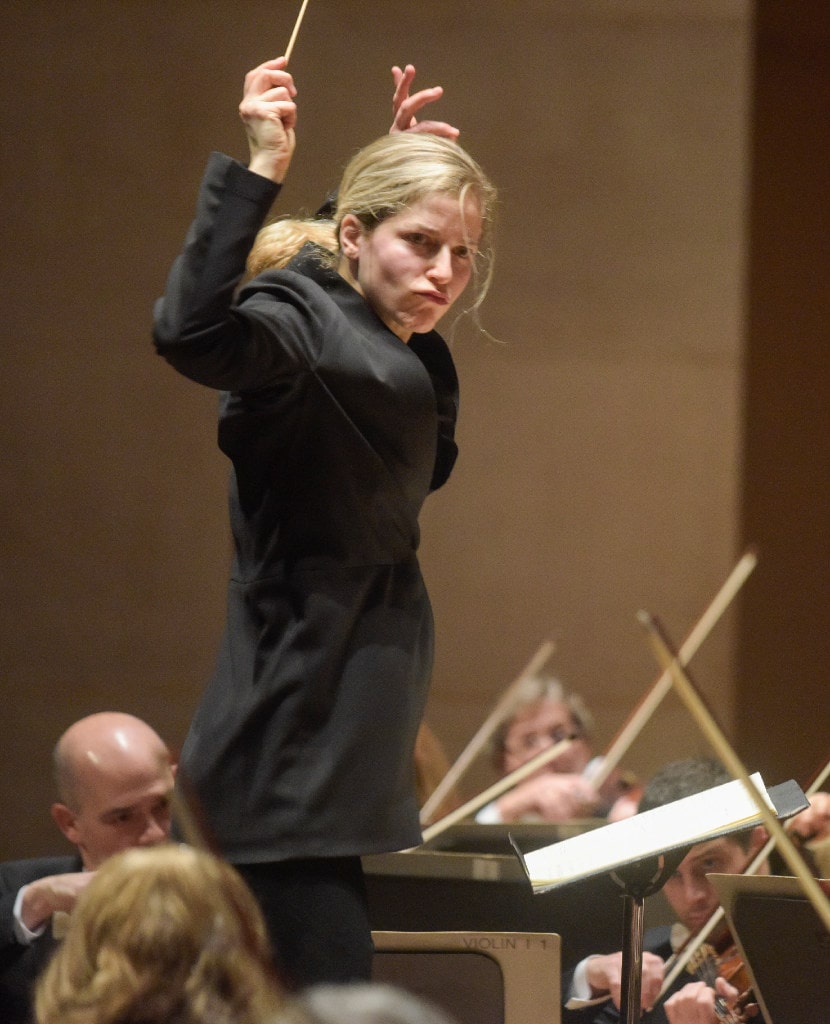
711 730
494 719
682 958
636 722
496 790
655 694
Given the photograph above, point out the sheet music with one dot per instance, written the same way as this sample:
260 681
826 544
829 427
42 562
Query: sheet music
694 819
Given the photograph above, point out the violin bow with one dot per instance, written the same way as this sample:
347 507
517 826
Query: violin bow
688 693
494 719
659 689
678 962
637 720
296 31
496 790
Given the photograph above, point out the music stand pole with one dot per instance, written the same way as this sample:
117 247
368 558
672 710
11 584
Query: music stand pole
632 955
637 881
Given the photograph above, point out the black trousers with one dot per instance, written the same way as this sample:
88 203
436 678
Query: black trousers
317 916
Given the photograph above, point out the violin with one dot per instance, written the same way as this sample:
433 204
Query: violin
719 958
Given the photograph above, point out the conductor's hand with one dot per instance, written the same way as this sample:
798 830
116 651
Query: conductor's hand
269 113
604 974
405 107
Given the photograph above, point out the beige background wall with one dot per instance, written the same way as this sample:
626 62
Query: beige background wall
602 435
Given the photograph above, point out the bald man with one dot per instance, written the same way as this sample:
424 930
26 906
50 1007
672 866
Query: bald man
114 781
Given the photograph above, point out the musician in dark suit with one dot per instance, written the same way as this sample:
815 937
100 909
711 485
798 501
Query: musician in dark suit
114 779
593 990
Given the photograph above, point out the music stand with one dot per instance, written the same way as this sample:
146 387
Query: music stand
638 880
649 846
783 943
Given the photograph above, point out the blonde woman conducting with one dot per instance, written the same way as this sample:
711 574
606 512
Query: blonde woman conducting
338 411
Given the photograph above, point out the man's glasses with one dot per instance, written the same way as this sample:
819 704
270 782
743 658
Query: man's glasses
533 742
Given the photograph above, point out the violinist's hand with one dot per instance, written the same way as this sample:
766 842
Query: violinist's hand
814 823
269 113
551 796
623 807
604 974
405 107
695 1002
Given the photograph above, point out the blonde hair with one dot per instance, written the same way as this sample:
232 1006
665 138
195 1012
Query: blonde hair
161 935
282 239
381 180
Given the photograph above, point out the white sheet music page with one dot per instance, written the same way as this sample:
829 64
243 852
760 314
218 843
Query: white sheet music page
694 819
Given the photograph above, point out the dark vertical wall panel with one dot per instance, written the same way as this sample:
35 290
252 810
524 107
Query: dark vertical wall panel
784 635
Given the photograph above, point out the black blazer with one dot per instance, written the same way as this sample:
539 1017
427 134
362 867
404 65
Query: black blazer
302 745
20 965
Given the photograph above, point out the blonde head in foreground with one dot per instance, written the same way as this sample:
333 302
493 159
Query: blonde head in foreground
168 935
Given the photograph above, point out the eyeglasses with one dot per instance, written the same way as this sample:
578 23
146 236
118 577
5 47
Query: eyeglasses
533 742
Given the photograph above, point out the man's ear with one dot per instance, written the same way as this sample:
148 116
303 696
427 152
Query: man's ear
64 818
757 839
351 235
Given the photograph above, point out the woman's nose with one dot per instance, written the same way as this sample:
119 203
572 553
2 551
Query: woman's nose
441 267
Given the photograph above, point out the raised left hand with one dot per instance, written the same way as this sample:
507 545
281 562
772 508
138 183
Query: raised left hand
405 107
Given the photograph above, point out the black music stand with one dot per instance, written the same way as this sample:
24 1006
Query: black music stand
637 880
782 941
715 812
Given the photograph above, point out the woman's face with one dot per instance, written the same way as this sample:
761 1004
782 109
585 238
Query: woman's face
413 266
